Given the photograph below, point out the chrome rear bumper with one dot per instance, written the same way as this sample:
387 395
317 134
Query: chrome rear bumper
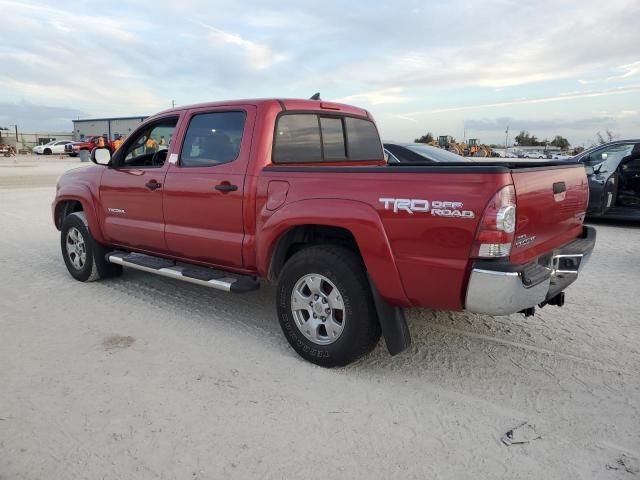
499 288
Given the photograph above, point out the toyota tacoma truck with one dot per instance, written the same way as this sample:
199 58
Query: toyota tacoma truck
297 192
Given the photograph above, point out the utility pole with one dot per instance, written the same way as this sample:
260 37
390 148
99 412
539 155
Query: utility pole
506 141
173 104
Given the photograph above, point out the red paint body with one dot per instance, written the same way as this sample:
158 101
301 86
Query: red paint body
414 259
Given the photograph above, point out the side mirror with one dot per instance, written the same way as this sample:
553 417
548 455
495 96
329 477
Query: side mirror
101 156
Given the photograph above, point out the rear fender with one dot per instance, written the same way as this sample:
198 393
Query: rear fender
357 217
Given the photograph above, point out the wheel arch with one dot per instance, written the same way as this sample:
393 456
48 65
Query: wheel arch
64 208
301 236
346 222
70 203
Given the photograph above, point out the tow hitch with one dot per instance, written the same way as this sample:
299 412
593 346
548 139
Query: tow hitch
528 312
558 301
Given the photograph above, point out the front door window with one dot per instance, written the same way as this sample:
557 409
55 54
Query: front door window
149 147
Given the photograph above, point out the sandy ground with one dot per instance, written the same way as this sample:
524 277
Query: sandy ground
145 377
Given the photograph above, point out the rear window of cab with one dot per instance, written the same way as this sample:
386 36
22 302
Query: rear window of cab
315 138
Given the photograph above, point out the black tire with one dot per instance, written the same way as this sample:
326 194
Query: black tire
345 270
47 151
94 266
73 154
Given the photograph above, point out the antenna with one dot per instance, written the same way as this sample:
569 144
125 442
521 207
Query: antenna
315 96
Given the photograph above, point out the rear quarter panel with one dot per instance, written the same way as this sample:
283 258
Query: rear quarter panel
429 253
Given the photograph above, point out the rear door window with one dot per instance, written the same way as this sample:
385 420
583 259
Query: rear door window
212 139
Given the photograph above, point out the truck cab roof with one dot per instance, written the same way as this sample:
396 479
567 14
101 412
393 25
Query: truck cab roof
280 104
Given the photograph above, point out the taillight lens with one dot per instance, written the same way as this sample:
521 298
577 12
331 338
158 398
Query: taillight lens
497 226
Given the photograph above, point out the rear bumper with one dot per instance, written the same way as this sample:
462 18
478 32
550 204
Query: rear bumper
501 288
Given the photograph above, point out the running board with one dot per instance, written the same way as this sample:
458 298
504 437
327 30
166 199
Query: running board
204 276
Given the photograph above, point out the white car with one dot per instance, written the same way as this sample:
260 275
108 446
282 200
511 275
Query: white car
56 146
537 155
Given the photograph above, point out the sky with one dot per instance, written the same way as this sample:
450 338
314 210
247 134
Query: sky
451 67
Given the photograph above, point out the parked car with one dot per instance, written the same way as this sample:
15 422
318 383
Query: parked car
88 144
613 170
398 152
297 192
535 155
53 147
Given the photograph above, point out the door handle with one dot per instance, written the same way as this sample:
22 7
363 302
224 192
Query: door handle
559 187
152 185
225 187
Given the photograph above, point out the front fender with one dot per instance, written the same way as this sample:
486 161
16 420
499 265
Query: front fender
357 217
80 193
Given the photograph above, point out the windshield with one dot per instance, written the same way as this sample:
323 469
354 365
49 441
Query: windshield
436 154
608 158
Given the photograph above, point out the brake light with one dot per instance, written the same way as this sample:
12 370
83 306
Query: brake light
497 226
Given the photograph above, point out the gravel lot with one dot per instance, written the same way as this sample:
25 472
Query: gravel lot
146 377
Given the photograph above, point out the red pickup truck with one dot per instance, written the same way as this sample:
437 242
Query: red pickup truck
73 149
298 192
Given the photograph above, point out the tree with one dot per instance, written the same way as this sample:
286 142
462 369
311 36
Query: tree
428 138
610 137
525 139
560 142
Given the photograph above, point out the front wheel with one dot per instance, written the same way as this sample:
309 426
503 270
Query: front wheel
325 306
83 256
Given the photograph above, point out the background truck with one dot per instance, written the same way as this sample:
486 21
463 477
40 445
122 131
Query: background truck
297 192
74 148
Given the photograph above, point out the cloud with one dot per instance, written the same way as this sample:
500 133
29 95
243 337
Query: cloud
529 101
401 59
377 97
31 117
628 71
532 125
258 55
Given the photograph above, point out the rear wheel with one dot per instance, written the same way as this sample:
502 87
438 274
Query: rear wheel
83 256
325 306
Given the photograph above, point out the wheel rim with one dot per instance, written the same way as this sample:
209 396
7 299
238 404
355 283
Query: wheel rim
318 309
76 248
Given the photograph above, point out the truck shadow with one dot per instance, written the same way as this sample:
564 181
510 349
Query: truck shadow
445 345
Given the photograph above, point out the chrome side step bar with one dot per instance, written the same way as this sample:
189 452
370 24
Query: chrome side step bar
198 275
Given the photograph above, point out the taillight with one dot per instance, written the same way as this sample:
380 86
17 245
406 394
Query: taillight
497 226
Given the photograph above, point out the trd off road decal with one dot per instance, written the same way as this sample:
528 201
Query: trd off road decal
438 208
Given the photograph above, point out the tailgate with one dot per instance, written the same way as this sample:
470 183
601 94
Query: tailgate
551 205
